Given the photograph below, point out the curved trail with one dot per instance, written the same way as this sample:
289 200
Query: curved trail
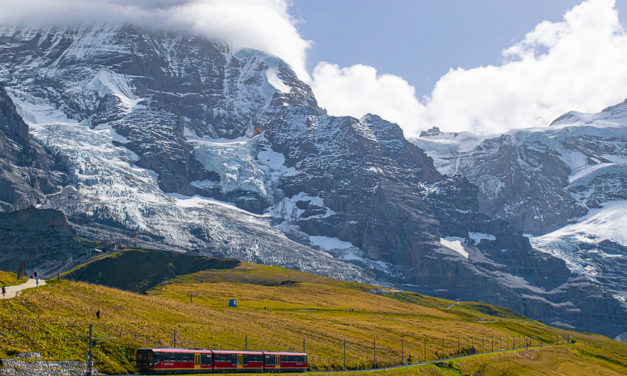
13 291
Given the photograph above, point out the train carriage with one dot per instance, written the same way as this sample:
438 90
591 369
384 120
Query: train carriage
285 362
244 361
174 361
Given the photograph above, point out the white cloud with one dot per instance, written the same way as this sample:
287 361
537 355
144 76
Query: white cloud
578 64
358 90
260 24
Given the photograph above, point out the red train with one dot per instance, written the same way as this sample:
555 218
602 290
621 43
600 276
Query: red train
171 361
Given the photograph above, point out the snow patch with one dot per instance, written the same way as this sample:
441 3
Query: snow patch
106 82
454 243
476 237
328 243
276 82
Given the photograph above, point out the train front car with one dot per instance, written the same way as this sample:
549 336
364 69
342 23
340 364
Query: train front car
285 362
237 361
174 361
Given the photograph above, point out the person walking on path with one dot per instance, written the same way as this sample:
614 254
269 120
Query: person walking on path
15 290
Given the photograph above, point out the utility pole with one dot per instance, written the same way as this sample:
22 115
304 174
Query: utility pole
402 351
425 350
89 353
345 355
374 347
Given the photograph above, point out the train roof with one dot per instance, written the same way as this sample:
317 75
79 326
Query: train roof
177 350
237 352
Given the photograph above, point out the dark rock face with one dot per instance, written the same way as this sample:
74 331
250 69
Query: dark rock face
241 128
27 170
41 237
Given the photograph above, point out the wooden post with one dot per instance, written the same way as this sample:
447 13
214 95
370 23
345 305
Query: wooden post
89 352
175 338
246 342
344 354
304 347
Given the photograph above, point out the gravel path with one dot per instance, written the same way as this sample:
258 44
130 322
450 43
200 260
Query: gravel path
13 291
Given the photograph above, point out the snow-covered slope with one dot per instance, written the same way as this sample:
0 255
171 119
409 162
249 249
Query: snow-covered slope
227 153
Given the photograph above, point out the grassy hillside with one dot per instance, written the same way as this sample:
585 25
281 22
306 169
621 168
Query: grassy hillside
277 310
9 279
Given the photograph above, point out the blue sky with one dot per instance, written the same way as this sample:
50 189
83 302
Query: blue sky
417 39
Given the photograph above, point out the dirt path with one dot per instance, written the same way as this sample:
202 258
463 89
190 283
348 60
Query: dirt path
13 291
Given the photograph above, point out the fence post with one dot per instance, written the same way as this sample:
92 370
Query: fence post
458 349
304 345
174 337
344 354
246 342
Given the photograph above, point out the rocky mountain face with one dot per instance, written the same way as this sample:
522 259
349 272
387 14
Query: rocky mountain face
565 185
227 154
27 170
44 239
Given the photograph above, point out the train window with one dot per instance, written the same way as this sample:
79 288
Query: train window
270 360
205 359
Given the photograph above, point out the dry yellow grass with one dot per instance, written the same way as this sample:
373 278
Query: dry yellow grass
276 315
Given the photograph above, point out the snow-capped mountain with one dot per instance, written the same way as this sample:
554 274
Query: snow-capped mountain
565 185
227 153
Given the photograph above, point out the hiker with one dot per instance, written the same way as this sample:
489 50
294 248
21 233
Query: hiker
4 291
98 314
36 280
36 276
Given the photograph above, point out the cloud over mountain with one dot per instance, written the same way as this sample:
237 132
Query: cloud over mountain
579 63
261 24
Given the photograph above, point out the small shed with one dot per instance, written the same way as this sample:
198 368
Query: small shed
232 302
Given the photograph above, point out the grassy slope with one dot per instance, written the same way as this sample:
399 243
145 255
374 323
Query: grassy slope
324 311
10 279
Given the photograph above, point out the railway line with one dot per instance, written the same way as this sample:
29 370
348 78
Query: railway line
418 364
